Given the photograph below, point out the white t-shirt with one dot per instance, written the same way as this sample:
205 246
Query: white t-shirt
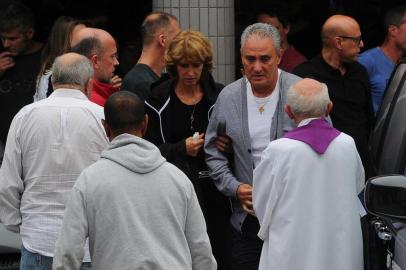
260 113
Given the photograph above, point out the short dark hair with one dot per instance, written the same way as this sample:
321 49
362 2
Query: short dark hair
88 46
152 23
123 112
16 15
277 10
394 16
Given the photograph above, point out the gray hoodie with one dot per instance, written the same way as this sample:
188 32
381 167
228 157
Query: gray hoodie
139 211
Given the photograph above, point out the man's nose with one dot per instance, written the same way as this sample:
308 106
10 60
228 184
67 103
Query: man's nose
257 66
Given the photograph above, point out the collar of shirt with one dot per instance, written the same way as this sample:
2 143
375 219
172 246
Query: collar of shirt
306 121
66 92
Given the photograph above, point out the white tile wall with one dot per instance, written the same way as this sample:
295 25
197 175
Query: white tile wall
204 21
184 19
212 21
193 3
184 3
212 3
204 3
194 19
220 22
215 19
221 51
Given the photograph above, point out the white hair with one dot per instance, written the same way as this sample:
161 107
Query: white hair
262 30
76 72
308 105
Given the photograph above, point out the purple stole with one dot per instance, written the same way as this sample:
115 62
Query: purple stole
318 134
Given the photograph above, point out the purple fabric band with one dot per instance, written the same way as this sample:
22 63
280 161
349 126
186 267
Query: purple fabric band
318 134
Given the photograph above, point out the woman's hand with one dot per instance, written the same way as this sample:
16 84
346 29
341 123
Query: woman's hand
193 145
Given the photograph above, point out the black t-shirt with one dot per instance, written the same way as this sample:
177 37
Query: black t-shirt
139 79
351 96
186 127
17 88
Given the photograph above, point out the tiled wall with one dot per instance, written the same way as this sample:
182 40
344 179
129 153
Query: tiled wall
215 19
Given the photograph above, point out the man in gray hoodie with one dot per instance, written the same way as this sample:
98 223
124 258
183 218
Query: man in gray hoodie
139 211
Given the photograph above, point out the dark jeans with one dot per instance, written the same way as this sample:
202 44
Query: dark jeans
247 245
34 261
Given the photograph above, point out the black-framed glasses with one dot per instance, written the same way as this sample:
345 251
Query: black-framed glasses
357 40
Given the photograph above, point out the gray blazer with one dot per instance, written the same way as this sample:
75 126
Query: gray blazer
230 117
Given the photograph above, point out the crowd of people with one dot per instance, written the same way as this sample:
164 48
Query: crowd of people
167 168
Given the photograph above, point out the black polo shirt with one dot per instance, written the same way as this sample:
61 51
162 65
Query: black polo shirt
351 96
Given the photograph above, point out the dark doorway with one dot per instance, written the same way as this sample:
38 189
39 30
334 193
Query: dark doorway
118 17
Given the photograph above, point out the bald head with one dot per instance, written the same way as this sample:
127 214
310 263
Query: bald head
89 32
158 23
71 70
100 47
124 113
308 98
338 25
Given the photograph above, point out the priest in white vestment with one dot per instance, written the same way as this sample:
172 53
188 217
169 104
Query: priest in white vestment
305 190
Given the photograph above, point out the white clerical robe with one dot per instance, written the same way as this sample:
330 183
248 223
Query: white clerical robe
308 207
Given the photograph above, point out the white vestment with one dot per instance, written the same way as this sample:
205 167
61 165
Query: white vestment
307 206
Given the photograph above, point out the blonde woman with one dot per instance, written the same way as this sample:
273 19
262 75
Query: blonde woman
179 108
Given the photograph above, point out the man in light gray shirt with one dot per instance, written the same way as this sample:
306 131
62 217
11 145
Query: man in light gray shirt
138 210
49 143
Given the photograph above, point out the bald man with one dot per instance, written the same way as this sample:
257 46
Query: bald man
158 29
347 80
100 47
49 144
305 190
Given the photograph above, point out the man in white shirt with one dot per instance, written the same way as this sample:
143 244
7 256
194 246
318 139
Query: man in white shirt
250 112
49 143
305 190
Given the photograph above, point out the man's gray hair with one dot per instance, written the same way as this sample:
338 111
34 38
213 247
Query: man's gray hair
75 72
262 30
308 105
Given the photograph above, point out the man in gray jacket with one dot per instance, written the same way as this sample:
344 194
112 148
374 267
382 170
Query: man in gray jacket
139 211
250 112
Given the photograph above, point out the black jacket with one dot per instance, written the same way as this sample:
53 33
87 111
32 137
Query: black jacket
162 119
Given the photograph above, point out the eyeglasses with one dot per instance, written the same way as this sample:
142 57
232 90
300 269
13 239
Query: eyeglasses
357 40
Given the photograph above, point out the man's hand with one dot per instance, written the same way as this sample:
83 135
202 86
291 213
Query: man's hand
224 144
193 145
6 62
116 81
244 194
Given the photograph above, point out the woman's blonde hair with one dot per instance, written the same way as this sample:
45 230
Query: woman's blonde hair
191 46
